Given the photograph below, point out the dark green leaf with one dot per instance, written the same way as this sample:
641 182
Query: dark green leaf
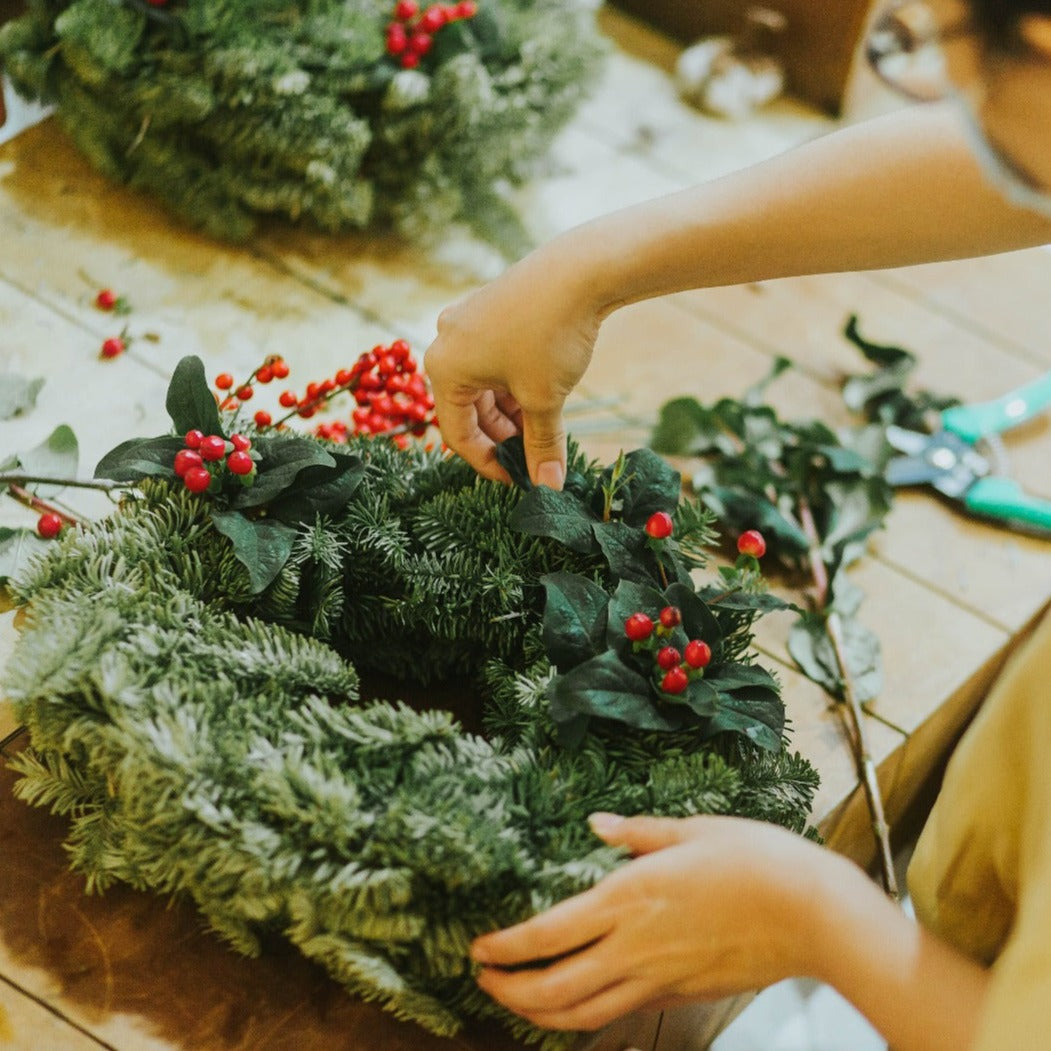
510 454
17 394
687 428
756 712
575 617
140 458
812 650
741 601
630 597
742 510
261 545
878 354
320 490
701 697
626 551
729 677
653 486
856 509
281 461
190 402
698 621
558 514
606 688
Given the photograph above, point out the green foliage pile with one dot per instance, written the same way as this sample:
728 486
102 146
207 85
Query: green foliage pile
210 737
228 110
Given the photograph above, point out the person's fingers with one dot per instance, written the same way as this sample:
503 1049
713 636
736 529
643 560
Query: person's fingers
595 1012
544 437
493 419
569 925
462 433
641 835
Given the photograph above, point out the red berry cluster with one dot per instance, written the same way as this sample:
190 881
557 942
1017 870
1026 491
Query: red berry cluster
411 35
675 669
232 393
205 458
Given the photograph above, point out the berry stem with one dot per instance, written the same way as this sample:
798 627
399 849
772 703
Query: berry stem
17 479
855 719
24 496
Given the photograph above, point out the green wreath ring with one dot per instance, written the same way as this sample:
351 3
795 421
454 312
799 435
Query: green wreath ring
200 675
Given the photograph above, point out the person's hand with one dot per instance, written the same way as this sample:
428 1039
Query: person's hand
711 906
505 359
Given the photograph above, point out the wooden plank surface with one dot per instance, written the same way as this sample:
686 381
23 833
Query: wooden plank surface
947 596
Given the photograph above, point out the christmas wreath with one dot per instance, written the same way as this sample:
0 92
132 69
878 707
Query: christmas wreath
349 113
200 674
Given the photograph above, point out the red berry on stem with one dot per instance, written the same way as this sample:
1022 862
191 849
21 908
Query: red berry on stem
288 399
638 627
675 681
240 442
49 525
343 377
406 9
279 368
197 479
659 525
668 657
751 543
185 459
193 439
433 19
245 392
239 462
397 39
224 381
420 43
112 347
698 654
106 299
410 60
466 9
263 419
671 617
213 447
264 374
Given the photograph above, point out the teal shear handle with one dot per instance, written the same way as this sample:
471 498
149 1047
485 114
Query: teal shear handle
1003 499
974 422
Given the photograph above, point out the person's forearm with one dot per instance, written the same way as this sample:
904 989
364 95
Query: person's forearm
918 992
894 191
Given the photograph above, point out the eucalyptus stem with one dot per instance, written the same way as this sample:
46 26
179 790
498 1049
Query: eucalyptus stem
854 718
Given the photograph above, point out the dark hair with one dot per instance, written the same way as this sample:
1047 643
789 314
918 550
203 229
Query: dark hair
998 19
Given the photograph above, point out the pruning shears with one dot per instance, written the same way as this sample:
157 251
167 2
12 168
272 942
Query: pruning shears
948 459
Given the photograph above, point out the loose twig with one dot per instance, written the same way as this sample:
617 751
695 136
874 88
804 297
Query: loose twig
854 718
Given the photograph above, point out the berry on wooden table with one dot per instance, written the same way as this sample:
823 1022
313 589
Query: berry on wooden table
112 347
106 299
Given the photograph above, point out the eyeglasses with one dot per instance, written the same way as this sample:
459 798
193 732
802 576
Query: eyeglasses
931 51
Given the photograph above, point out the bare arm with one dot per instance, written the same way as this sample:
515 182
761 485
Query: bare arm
716 906
894 191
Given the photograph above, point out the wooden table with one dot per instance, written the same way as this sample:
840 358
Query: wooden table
948 597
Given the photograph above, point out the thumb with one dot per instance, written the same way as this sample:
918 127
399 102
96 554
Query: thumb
544 439
641 835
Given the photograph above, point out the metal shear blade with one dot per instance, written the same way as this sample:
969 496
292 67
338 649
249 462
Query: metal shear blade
942 460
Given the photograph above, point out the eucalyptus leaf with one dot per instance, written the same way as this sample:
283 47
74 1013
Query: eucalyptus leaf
16 547
57 456
812 649
261 545
17 394
575 618
190 402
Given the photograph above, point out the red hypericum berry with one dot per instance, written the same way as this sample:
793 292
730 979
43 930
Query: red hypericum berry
279 368
343 377
239 462
197 479
193 439
112 347
264 374
406 9
410 60
213 447
185 460
49 525
433 19
420 43
397 39
751 542
245 392
466 9
671 617
698 654
240 442
675 681
263 419
659 525
106 299
288 399
224 381
668 657
307 410
638 627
